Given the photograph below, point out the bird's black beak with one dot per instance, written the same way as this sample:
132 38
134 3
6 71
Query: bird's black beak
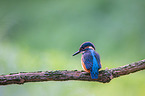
76 53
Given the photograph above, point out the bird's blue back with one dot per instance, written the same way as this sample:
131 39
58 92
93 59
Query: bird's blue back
91 60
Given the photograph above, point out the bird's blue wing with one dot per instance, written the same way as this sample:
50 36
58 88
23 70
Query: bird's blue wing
97 56
88 60
91 60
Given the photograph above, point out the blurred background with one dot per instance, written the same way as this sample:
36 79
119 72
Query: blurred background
43 35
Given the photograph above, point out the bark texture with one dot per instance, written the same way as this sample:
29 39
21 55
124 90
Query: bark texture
105 76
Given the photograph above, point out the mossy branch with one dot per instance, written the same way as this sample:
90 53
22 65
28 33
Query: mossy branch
105 76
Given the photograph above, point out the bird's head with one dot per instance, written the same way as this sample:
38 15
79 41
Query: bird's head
84 47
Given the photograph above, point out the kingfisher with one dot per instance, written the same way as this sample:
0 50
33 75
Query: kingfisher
90 59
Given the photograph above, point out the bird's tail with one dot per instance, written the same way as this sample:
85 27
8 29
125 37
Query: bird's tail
94 74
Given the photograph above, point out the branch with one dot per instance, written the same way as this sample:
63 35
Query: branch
105 76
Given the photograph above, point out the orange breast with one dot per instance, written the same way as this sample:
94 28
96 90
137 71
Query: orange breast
84 66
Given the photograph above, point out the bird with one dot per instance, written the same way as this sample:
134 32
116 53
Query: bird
90 59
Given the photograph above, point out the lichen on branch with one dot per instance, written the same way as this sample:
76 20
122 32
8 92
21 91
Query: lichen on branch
105 76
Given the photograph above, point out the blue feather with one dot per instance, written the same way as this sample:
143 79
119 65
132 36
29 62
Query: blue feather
91 60
94 70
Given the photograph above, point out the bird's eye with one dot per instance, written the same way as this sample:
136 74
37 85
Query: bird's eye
81 49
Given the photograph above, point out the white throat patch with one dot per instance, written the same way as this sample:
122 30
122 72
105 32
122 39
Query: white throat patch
91 47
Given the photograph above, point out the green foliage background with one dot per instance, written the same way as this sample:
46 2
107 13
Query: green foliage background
42 35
